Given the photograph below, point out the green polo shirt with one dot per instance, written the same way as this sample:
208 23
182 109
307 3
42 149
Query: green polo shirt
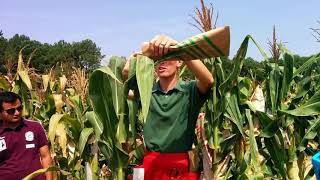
171 121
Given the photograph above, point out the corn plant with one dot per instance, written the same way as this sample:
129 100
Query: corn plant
232 119
292 115
228 118
115 115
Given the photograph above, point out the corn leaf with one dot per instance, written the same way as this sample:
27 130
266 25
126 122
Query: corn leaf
78 108
311 107
311 132
53 124
145 76
270 130
270 127
95 167
41 171
239 58
254 159
116 64
63 82
61 135
58 102
303 86
106 148
74 127
4 84
306 65
72 124
274 80
45 81
244 84
25 78
100 94
21 66
233 111
95 123
277 155
287 75
83 139
133 111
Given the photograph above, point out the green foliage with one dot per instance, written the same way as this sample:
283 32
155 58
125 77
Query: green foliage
3 44
105 103
245 143
84 54
40 171
277 138
145 78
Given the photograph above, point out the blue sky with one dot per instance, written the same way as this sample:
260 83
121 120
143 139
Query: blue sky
119 27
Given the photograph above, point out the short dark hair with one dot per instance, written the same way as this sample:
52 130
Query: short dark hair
8 97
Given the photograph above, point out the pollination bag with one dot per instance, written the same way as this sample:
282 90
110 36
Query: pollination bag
213 43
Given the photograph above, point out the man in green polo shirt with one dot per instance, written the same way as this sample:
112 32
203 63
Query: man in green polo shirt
175 104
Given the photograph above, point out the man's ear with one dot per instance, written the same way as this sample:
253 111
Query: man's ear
179 64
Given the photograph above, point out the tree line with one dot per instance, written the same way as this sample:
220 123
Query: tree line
87 55
43 56
258 69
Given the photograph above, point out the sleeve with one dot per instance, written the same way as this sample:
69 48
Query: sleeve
42 136
197 99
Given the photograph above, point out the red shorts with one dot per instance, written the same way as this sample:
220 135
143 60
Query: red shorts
167 166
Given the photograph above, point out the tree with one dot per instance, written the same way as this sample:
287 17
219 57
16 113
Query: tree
254 68
86 54
60 55
43 60
3 45
299 60
15 44
11 51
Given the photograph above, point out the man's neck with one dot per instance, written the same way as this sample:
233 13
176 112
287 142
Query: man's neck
10 124
167 84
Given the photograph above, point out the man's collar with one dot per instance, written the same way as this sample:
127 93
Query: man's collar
178 87
22 123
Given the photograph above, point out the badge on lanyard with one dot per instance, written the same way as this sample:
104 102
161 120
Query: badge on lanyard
29 136
3 145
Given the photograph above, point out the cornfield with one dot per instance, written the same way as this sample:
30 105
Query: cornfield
95 130
248 129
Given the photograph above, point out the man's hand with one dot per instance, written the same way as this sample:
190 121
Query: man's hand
125 70
158 46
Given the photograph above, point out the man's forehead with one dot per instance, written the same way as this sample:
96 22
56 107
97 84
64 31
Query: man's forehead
171 61
16 103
